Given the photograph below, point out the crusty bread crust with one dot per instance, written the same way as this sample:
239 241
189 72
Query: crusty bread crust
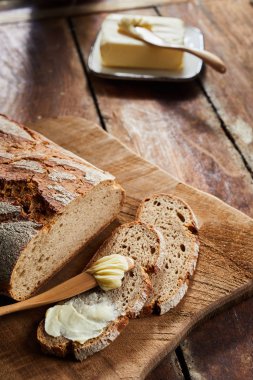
162 305
38 180
62 347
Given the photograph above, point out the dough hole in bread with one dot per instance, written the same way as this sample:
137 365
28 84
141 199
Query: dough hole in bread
193 230
153 250
182 247
181 217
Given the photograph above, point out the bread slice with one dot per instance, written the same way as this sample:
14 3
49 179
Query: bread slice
127 300
148 251
176 221
139 242
51 204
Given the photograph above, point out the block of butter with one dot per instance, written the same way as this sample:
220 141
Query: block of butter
119 50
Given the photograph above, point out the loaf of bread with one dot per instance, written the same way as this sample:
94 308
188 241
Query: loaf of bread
176 221
51 203
136 240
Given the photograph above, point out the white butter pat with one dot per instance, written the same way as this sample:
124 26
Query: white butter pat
119 50
78 321
109 270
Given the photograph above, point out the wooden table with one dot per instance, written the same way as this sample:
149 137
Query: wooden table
201 132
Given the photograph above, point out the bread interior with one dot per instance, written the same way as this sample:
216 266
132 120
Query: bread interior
57 244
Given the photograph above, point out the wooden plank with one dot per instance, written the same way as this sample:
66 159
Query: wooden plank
172 125
168 369
210 350
228 29
224 271
31 13
223 347
40 73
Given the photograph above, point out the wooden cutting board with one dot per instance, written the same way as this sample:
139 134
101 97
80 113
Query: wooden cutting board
224 271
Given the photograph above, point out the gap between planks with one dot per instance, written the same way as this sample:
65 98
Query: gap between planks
223 125
85 71
226 94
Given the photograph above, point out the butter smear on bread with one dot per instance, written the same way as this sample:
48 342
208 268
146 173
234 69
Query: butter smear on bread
79 321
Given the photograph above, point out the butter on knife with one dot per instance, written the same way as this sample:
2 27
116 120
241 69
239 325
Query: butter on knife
119 50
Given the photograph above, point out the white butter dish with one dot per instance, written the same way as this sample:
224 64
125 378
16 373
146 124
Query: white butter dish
191 65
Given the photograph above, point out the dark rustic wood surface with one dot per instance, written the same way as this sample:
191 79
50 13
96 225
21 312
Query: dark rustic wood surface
222 348
40 73
227 26
200 132
168 369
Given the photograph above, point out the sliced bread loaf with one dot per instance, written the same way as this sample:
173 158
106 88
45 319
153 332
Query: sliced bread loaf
139 242
176 221
51 203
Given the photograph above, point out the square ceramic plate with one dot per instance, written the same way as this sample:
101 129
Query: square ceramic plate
192 65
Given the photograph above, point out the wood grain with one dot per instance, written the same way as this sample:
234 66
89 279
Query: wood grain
224 271
40 73
228 30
